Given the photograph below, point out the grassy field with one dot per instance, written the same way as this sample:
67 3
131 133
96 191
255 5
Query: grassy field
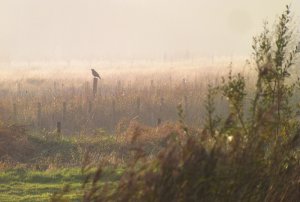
21 184
35 165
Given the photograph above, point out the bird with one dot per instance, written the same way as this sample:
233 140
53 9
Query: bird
95 74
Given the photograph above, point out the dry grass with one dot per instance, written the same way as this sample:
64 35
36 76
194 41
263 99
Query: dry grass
159 90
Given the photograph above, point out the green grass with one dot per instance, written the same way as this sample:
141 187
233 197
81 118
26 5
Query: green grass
21 184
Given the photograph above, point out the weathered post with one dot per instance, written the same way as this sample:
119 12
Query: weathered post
95 86
58 127
158 122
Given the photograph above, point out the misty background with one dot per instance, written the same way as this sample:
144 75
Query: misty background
132 29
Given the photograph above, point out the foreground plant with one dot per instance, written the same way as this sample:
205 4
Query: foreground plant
252 155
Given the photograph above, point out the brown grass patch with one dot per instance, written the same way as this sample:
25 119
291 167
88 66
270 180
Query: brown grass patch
14 145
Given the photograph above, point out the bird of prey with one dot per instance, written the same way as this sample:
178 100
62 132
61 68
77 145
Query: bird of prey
95 74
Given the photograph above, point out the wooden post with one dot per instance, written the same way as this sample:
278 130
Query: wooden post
158 121
95 86
64 112
15 113
39 115
58 127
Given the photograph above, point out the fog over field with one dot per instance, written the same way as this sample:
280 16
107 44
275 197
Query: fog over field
131 29
149 100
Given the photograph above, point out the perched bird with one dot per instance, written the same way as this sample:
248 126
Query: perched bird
95 74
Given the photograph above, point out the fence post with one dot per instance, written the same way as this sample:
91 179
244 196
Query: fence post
58 127
158 121
95 86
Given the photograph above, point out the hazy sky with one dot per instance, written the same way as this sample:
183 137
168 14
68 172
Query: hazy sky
132 28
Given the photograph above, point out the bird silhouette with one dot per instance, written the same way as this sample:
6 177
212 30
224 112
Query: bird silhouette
95 74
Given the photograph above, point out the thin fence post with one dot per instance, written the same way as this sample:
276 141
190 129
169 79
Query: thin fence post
158 121
58 127
95 86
